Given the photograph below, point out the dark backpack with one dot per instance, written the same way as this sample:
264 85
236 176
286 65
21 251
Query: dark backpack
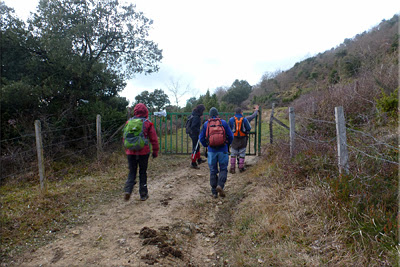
215 133
238 127
134 138
188 125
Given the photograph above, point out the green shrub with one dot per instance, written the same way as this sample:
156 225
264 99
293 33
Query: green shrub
389 103
334 77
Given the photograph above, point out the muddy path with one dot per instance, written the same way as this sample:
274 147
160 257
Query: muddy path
174 227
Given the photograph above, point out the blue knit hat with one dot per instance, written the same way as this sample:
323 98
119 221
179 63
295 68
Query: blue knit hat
213 112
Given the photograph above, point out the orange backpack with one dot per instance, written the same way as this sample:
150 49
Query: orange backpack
238 127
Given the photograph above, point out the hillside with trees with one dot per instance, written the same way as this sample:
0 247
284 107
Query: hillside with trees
360 75
369 57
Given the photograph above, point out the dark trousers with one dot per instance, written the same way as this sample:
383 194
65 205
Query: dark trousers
195 152
134 161
195 138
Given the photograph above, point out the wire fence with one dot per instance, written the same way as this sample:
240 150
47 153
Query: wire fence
356 142
19 159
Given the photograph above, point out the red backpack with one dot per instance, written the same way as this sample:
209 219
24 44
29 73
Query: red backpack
215 134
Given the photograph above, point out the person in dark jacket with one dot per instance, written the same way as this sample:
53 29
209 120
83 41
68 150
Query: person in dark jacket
197 114
217 156
141 157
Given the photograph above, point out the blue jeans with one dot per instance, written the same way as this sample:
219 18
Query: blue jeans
215 159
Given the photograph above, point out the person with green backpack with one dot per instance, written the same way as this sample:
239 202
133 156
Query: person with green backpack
137 134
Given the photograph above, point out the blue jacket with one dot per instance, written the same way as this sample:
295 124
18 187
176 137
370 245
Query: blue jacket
229 138
246 123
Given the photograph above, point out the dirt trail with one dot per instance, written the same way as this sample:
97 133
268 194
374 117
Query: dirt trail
174 227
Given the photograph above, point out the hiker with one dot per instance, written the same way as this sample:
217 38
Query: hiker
240 127
217 136
252 116
140 157
195 125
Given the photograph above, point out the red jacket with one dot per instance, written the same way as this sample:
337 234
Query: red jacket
141 111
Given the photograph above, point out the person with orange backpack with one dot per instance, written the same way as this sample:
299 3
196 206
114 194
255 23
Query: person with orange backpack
217 136
240 126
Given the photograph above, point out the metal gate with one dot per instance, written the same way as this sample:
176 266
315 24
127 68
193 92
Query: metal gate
173 139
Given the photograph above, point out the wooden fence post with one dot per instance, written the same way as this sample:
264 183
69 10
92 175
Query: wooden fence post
271 138
313 108
98 133
292 131
259 130
39 148
343 157
129 115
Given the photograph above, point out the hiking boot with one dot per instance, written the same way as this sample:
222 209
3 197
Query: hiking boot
214 195
220 191
242 169
143 198
127 196
200 161
232 170
194 166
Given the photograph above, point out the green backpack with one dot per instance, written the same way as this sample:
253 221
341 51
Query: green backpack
133 134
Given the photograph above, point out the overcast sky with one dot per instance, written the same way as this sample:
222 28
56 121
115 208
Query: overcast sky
210 43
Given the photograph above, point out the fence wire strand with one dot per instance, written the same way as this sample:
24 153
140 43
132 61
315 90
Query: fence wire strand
19 137
69 128
378 142
315 120
73 153
374 157
69 141
316 141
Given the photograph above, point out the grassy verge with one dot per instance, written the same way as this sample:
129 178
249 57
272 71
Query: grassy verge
30 219
294 213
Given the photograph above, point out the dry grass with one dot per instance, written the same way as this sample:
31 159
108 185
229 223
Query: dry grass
30 218
286 220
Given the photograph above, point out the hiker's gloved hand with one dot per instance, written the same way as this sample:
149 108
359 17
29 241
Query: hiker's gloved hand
154 155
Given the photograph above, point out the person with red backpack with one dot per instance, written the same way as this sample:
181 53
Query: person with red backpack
139 155
240 126
217 136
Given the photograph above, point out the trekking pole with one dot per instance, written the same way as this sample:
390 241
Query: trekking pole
194 151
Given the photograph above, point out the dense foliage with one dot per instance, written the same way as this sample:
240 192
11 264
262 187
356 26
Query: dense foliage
225 100
69 63
154 101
